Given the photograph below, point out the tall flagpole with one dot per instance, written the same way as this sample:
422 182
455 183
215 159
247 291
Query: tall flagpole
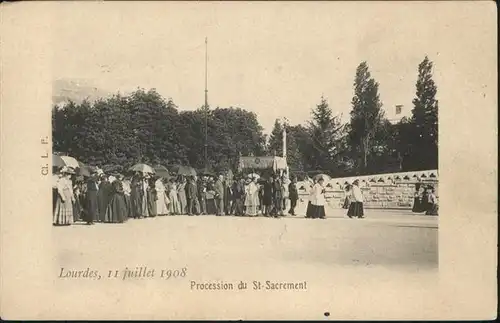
206 102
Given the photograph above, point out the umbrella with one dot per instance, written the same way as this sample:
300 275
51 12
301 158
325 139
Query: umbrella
253 175
143 168
161 171
183 170
324 176
61 161
83 170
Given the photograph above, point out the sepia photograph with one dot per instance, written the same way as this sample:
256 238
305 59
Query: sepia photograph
282 158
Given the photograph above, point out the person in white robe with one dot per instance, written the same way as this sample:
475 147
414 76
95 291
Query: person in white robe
252 197
163 200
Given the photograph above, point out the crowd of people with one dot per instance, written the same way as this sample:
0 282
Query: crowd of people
117 198
425 200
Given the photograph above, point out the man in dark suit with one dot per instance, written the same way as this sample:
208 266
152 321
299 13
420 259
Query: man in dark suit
219 195
293 195
277 197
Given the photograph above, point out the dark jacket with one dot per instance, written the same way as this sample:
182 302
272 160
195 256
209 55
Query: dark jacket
293 194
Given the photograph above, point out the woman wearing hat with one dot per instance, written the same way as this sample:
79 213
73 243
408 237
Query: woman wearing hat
356 207
103 196
63 213
91 209
116 211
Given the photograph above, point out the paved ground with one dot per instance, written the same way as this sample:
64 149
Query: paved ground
389 250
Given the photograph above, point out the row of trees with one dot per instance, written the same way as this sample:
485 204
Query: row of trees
369 143
144 127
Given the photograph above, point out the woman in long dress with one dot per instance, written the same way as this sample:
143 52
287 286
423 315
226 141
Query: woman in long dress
417 200
162 201
135 196
127 191
356 207
174 206
91 201
152 197
77 206
181 192
116 212
103 196
252 198
317 209
63 213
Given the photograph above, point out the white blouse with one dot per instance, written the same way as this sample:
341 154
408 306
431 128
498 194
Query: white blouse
357 194
318 197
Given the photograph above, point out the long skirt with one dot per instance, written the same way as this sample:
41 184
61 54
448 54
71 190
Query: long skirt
152 211
317 211
356 210
116 211
103 201
238 206
91 209
144 206
63 214
211 207
252 204
417 206
346 204
128 202
182 203
251 208
161 204
77 209
309 212
174 206
54 199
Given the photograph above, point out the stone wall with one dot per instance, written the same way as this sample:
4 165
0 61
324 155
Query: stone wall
379 191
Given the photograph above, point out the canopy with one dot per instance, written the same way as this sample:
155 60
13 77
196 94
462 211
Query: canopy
267 162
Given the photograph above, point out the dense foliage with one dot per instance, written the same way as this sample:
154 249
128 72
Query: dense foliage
144 127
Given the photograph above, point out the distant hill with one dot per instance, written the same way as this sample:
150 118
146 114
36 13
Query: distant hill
64 90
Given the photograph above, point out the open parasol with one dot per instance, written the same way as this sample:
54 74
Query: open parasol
143 168
61 161
161 171
183 170
82 170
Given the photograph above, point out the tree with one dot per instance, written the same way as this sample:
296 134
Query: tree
295 158
366 115
325 131
425 119
275 145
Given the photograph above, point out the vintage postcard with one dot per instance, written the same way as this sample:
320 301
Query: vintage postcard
248 160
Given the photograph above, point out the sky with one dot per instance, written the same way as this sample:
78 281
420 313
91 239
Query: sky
275 59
